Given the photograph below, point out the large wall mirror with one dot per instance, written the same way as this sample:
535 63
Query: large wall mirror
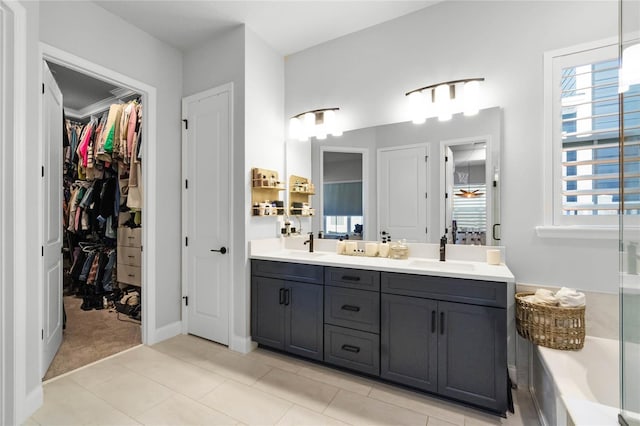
341 193
403 161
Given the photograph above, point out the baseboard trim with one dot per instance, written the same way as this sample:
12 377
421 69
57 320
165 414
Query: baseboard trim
32 402
166 332
242 344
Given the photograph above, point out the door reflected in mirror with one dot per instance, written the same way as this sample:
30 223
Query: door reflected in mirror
342 183
469 190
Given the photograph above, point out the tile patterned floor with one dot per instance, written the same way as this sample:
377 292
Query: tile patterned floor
189 381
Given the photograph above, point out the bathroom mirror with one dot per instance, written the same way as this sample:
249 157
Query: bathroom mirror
341 193
469 189
429 197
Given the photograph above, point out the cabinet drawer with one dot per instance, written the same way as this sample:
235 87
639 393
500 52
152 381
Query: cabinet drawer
130 237
352 278
288 271
486 293
129 256
352 308
129 274
352 349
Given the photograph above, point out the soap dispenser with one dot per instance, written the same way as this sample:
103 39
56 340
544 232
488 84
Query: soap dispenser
443 245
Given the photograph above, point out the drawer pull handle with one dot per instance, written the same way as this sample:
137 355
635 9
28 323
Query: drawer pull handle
441 322
350 278
131 238
287 297
131 275
350 348
350 308
282 296
130 256
433 321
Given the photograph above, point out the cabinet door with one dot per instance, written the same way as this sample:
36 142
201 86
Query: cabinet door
304 323
267 313
408 341
472 354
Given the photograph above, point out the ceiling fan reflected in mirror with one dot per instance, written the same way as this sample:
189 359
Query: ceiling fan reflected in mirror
466 177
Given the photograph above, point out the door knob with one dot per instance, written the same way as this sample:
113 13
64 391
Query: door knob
222 250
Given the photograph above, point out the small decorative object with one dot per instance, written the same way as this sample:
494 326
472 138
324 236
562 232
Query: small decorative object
371 249
399 250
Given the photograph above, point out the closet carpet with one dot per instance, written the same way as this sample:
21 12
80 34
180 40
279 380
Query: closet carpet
91 336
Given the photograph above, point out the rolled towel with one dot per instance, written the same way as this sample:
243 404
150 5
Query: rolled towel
545 297
570 298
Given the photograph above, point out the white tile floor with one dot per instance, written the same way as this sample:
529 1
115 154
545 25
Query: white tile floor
190 381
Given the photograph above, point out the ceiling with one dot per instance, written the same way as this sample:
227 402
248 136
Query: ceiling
287 26
79 90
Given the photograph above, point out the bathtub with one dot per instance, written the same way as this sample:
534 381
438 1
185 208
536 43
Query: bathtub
577 387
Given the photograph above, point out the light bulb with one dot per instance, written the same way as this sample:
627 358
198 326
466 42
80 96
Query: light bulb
417 107
309 120
443 102
295 128
471 97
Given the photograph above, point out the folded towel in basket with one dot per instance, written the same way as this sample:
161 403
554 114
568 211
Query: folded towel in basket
570 298
545 297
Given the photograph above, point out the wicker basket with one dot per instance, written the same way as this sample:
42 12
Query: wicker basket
550 326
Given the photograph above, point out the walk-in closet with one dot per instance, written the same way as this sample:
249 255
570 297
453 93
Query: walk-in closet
102 195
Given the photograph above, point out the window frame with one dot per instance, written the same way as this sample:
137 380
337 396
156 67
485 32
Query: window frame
557 225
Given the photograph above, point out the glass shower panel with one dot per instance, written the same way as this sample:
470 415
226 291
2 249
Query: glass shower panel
630 208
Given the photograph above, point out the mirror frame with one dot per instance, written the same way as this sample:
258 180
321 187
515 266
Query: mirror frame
365 183
492 179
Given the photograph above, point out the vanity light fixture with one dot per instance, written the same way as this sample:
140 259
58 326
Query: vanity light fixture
317 123
445 99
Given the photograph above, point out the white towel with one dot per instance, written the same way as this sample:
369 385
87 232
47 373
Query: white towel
545 297
570 298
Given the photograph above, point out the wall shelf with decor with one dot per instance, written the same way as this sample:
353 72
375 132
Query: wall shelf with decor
300 191
265 193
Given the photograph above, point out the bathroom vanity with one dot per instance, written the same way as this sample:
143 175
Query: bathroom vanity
433 326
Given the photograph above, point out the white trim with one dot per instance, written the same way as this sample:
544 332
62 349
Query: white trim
235 342
168 331
34 400
100 106
365 184
149 172
552 199
244 345
20 188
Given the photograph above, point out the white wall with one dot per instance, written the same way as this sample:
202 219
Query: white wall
264 115
212 64
367 73
257 71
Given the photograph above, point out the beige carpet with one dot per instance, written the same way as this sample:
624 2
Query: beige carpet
91 336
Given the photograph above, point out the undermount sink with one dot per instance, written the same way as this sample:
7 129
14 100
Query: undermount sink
302 254
441 266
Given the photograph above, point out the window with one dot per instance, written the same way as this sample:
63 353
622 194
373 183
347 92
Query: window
342 208
585 135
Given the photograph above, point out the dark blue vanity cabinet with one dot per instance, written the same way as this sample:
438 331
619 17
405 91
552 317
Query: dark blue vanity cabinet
286 307
443 335
447 336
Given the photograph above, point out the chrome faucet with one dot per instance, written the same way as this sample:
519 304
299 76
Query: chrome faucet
443 247
310 241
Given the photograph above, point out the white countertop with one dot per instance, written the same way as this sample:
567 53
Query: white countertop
463 262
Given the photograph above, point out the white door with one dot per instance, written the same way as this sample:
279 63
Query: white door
207 202
402 195
52 218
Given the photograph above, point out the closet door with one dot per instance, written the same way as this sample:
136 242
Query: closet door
207 255
52 320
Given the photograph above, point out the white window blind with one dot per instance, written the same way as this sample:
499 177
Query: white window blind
586 139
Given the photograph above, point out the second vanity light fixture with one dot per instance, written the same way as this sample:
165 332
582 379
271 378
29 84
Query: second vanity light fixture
445 99
317 123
